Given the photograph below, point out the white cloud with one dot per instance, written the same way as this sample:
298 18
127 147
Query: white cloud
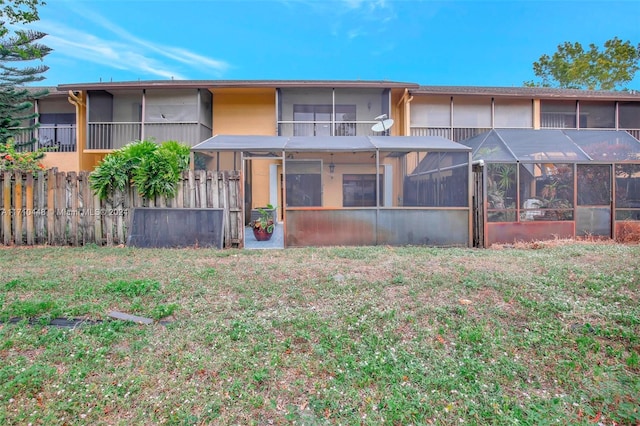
355 32
119 49
110 54
359 14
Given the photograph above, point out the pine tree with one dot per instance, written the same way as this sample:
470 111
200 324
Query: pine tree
17 52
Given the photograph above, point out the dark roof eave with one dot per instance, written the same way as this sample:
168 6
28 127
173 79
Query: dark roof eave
213 84
530 92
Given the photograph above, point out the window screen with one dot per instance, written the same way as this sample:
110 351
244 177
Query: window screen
304 183
597 115
472 112
558 114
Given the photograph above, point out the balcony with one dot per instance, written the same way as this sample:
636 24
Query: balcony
328 128
57 138
456 134
53 137
110 136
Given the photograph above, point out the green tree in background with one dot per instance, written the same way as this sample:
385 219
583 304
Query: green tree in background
18 48
19 11
573 67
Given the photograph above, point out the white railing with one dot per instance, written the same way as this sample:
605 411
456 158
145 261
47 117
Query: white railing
116 135
112 135
189 133
57 138
327 128
456 134
53 137
633 132
462 133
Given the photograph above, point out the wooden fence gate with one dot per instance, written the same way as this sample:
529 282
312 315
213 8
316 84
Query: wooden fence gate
478 206
59 208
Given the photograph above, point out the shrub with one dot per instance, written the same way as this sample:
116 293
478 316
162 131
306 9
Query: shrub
181 151
10 159
154 169
111 175
157 174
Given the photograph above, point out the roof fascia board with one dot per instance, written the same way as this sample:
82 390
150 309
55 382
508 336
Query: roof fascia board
212 84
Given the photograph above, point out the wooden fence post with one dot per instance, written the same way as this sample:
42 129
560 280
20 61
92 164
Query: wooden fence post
192 190
97 217
51 206
18 208
6 219
179 203
202 188
41 195
60 228
29 209
74 213
225 206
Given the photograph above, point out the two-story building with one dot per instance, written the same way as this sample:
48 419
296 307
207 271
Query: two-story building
318 146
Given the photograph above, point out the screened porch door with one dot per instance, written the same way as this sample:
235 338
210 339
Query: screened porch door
594 212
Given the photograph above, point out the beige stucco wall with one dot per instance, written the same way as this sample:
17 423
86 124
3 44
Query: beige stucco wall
64 161
244 111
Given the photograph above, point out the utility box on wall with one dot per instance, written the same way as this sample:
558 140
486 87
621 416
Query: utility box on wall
167 227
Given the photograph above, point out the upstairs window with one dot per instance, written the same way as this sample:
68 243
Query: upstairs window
315 120
558 114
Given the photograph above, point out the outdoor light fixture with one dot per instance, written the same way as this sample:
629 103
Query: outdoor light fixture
332 166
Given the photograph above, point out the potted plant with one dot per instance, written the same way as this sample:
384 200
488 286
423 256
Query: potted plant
264 224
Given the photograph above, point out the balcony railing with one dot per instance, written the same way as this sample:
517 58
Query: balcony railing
462 133
634 132
328 128
112 135
188 133
116 135
456 134
53 137
59 138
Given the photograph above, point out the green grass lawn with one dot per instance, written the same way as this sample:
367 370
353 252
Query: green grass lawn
543 334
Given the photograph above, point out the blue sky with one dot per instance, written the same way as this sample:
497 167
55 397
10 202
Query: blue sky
427 42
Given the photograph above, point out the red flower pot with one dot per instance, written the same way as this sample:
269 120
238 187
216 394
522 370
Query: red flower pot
261 234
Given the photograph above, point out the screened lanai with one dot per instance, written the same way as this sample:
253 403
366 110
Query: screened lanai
352 190
541 184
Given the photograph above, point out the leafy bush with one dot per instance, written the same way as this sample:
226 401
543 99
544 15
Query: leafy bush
181 151
10 159
154 169
111 175
157 174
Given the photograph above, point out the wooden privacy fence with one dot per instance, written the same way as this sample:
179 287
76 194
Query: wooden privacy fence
60 208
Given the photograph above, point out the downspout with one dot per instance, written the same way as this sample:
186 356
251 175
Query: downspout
407 117
143 112
333 111
36 131
406 98
377 194
470 194
77 99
